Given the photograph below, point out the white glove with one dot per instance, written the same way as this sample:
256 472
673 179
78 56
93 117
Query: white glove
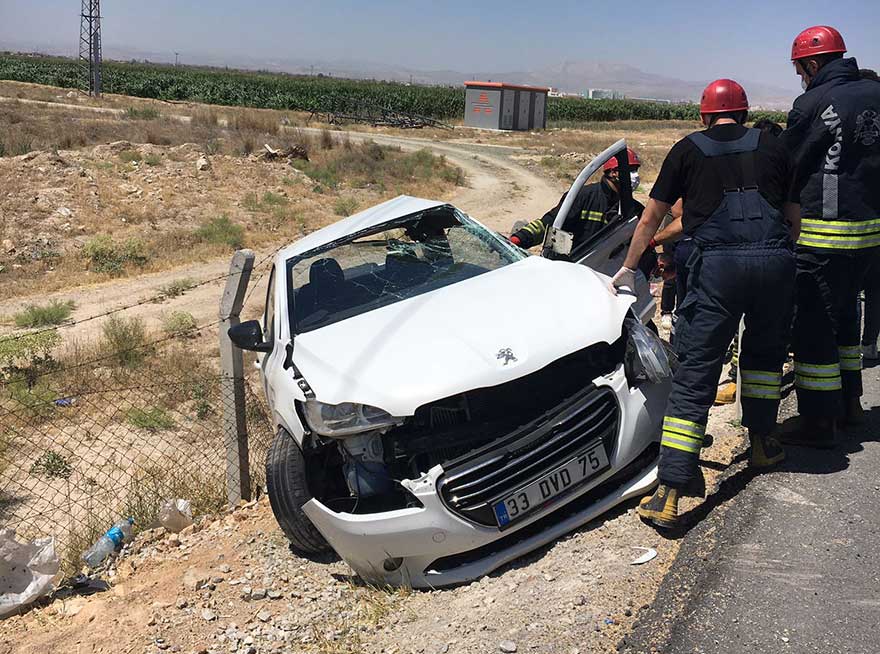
624 279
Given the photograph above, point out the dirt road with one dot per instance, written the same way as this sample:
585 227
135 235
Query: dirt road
498 192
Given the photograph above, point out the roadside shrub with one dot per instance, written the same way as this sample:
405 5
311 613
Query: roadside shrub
24 353
152 160
52 464
126 340
255 121
146 113
221 231
129 156
179 323
54 313
326 141
345 206
108 256
204 117
33 398
151 419
177 287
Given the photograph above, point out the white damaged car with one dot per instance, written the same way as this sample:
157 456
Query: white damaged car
444 401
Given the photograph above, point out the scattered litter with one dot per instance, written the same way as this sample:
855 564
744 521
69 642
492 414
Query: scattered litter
118 534
175 515
65 401
649 554
29 570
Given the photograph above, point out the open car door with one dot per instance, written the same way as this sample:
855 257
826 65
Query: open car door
605 251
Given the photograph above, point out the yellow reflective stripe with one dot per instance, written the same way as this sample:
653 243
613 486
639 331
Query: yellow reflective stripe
682 426
682 443
817 369
835 242
761 392
761 376
849 350
535 227
595 216
842 227
814 384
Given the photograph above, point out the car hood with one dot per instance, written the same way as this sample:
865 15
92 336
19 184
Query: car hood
456 339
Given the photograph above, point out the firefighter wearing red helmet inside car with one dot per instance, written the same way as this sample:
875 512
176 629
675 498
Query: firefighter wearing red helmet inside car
594 207
833 135
735 185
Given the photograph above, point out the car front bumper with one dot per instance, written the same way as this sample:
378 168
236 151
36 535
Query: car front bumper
430 546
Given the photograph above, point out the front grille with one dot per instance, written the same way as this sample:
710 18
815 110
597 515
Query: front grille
473 482
622 477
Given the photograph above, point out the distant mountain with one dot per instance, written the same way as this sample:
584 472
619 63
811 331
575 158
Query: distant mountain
570 76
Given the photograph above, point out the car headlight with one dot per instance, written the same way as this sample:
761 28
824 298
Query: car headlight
647 357
346 418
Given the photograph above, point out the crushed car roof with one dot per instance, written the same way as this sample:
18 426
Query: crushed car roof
402 205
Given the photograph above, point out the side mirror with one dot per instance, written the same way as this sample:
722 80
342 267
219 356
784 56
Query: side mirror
249 336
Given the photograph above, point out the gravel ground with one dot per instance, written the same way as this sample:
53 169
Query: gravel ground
231 585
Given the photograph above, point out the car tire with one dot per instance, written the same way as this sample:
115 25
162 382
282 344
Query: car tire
288 491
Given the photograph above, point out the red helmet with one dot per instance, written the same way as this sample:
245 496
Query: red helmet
723 95
817 40
634 161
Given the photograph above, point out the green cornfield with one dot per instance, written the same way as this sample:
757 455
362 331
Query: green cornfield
318 94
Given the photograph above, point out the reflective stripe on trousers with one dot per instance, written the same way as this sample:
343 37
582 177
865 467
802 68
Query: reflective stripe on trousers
761 384
681 434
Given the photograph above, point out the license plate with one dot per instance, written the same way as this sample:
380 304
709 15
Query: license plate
588 463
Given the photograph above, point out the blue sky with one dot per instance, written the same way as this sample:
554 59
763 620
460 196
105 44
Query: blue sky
696 40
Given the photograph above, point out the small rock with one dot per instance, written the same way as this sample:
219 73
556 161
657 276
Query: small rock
181 603
202 163
784 639
274 594
8 246
195 578
208 615
225 569
507 646
628 612
258 594
265 616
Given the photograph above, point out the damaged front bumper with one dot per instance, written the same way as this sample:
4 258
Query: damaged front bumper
431 546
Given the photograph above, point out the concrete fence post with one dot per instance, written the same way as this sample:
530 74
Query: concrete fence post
238 475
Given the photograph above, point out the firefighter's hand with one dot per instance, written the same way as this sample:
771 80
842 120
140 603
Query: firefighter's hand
625 279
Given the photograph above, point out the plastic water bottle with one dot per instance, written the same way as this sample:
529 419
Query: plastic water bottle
118 534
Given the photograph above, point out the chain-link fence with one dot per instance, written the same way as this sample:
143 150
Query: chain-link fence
93 434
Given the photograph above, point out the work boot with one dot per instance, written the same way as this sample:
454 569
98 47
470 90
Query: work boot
766 451
854 414
726 394
661 508
820 433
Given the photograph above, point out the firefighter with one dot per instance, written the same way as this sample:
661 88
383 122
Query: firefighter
833 135
735 184
594 207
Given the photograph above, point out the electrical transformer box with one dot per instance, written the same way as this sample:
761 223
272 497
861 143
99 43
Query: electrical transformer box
495 105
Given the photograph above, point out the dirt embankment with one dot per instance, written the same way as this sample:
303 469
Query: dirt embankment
580 594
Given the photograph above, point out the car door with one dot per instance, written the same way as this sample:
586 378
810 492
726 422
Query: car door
605 251
270 335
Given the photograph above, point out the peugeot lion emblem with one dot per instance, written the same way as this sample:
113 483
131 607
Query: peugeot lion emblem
506 354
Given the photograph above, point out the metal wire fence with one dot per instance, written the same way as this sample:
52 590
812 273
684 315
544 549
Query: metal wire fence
106 431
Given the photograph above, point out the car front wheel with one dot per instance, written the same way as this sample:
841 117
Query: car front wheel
288 491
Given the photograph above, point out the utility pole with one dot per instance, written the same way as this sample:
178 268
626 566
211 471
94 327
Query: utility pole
176 58
90 46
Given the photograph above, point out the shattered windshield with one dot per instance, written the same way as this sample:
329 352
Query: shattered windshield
398 260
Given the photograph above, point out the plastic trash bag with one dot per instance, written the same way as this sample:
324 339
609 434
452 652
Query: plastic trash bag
28 571
175 515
